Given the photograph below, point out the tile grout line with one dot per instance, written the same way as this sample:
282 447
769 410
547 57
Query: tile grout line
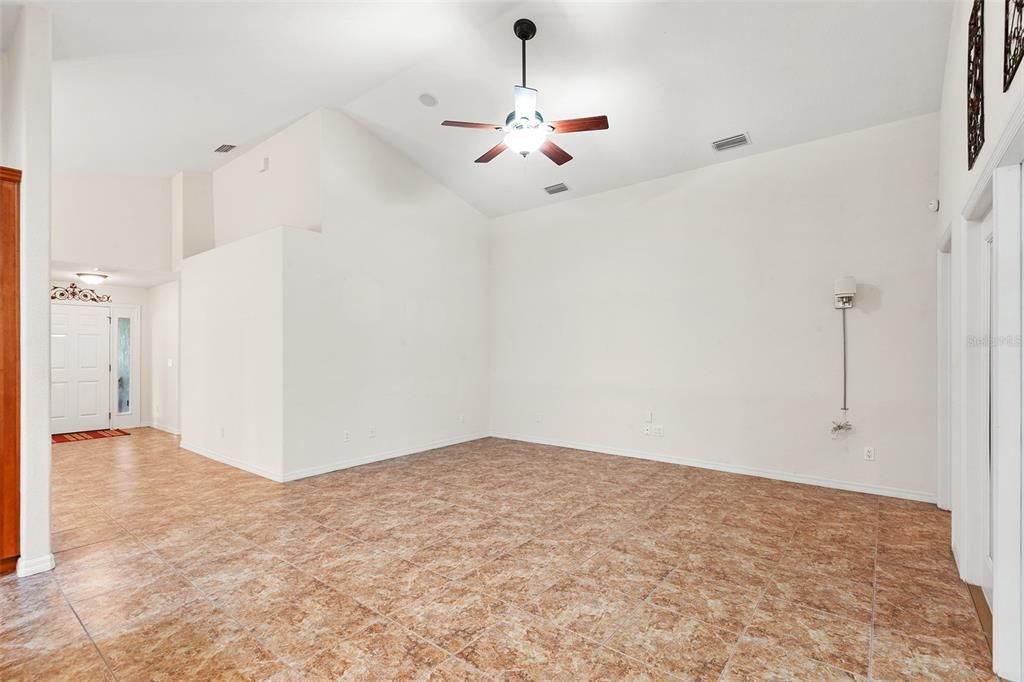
753 611
88 634
203 594
605 476
874 598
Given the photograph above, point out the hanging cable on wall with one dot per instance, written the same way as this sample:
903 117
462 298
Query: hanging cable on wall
844 291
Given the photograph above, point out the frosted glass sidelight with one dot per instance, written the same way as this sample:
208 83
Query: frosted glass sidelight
124 365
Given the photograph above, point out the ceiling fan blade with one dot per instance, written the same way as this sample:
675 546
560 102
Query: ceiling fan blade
578 125
526 102
554 152
467 124
492 152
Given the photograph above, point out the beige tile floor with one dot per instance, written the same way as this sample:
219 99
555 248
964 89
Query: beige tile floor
489 560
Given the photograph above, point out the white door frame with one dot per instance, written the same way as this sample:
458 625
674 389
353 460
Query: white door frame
1007 421
944 412
133 312
997 188
971 398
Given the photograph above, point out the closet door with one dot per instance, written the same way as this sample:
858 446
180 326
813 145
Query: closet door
10 359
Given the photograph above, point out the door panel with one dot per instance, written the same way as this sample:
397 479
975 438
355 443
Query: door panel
58 401
80 368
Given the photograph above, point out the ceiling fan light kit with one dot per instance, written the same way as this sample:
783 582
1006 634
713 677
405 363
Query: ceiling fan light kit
525 129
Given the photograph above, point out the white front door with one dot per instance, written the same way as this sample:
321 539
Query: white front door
79 367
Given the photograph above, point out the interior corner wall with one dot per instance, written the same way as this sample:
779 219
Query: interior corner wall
191 215
112 222
251 197
400 312
232 354
706 299
385 306
25 130
163 362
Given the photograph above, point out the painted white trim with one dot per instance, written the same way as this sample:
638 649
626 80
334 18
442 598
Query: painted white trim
230 461
1008 150
333 466
379 456
163 427
27 567
944 435
1006 565
971 420
916 495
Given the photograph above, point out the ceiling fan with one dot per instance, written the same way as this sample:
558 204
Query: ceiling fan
525 129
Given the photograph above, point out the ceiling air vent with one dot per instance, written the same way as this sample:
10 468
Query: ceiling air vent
730 142
225 148
555 189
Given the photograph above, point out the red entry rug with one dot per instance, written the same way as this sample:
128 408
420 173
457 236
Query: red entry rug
88 435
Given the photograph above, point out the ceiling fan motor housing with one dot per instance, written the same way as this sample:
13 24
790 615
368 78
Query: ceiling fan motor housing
512 116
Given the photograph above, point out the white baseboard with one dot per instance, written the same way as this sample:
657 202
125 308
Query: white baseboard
230 461
331 466
916 495
173 430
378 456
27 567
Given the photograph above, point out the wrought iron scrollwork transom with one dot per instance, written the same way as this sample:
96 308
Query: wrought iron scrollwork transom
975 82
73 292
1013 48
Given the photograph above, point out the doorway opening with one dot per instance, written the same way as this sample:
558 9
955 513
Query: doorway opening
95 367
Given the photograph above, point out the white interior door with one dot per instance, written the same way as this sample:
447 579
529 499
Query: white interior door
79 367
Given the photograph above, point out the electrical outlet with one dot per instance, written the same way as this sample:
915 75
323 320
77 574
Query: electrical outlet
346 436
647 429
657 430
869 454
462 419
373 432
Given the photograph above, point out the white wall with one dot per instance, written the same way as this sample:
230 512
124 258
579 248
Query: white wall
385 309
113 222
162 362
25 130
191 215
400 326
249 201
232 354
706 297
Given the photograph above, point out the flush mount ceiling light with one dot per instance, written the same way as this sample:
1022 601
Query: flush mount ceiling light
90 277
525 129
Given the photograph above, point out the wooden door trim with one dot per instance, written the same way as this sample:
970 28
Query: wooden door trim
10 370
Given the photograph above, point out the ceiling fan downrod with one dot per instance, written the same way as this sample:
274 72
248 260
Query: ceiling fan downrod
524 30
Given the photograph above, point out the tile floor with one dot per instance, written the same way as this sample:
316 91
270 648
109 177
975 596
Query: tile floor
488 560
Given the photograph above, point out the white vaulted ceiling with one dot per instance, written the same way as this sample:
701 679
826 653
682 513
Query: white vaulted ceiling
152 88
